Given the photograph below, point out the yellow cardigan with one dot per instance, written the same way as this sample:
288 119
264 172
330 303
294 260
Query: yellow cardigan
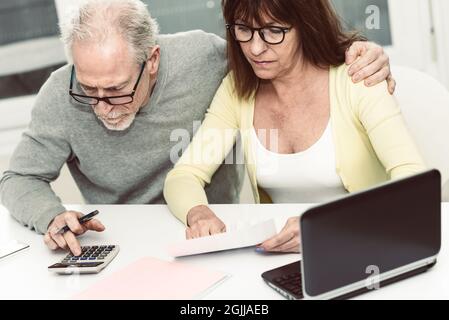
372 143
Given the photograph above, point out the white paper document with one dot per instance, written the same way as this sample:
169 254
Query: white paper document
241 237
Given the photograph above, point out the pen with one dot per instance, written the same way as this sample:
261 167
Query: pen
81 220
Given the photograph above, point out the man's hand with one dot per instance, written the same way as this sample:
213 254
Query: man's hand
369 62
68 241
285 241
202 222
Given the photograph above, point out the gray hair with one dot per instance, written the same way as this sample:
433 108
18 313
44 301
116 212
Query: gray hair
95 20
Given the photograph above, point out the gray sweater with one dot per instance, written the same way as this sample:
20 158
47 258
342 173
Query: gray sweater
126 167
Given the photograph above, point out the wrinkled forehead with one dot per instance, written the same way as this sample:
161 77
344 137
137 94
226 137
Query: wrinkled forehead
111 51
109 60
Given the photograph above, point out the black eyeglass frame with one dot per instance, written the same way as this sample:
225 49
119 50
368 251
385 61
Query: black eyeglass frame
284 30
105 99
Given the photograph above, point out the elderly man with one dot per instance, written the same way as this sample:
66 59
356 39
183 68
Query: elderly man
112 115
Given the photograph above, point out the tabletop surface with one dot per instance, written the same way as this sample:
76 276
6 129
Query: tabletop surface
145 230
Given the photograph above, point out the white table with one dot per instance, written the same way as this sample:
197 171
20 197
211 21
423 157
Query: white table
145 230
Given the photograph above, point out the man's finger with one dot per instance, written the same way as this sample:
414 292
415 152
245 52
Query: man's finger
59 239
391 84
49 242
368 58
377 77
72 243
55 227
370 70
353 52
94 225
76 213
74 225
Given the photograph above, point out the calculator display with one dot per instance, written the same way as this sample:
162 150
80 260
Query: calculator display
76 265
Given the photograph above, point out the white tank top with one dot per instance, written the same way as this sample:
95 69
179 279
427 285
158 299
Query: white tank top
305 177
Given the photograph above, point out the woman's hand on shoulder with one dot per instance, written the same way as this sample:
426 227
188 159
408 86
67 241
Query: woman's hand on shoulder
369 62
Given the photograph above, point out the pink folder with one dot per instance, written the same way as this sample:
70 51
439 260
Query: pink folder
150 278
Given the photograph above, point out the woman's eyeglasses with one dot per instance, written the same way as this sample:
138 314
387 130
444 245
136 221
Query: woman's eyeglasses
271 35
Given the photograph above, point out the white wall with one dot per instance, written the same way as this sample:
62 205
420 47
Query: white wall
440 12
64 5
420 36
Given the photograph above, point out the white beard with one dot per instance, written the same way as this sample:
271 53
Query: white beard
124 124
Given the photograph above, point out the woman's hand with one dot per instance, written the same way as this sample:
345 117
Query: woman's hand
369 62
202 222
285 241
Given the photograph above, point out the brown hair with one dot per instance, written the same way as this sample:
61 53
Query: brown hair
322 40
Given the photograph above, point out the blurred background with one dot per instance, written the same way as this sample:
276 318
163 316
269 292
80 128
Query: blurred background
413 32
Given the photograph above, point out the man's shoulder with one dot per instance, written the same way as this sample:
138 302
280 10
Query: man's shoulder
54 94
58 82
192 38
193 57
196 43
61 75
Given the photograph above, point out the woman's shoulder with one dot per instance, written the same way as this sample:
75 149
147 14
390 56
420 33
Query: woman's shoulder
228 99
344 86
228 87
229 80
340 72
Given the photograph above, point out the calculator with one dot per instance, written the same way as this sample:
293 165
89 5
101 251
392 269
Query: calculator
93 259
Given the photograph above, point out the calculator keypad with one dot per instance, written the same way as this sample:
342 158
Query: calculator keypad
92 259
89 254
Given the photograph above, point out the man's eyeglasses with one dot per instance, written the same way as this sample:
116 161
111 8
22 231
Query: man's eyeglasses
271 35
115 100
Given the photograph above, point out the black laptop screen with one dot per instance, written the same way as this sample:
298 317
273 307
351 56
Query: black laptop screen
352 239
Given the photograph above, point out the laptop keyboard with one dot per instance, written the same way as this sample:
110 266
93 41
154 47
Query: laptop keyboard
291 284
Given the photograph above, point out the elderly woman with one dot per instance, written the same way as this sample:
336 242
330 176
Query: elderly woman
309 134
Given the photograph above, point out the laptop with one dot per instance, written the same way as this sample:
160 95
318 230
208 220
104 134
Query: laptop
365 241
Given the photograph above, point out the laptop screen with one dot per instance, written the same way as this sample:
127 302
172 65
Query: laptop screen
379 230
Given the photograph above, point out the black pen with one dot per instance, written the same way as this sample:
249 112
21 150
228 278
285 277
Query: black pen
81 220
